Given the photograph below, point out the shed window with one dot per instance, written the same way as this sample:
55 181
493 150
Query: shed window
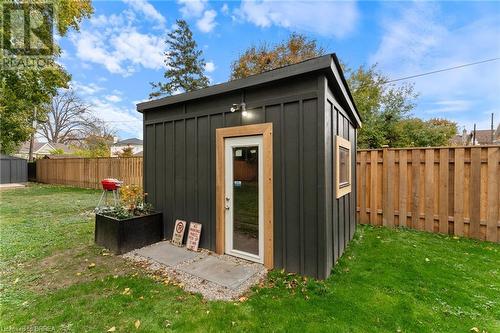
343 167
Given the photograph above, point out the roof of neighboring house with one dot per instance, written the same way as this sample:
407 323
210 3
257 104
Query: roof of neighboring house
484 136
138 154
131 141
37 146
328 64
25 147
458 140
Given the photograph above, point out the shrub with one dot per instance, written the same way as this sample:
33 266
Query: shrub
132 203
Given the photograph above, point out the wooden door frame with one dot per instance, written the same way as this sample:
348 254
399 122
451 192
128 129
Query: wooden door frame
266 130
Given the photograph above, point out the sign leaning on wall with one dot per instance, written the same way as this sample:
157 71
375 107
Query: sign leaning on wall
179 228
194 234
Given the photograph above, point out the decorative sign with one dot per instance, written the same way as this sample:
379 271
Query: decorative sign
179 228
194 234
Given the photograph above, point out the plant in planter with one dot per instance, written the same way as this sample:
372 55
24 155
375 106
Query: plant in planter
130 225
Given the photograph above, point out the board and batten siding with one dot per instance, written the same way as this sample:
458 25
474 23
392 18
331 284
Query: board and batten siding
340 213
179 164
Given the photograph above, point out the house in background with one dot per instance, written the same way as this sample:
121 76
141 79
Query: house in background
479 138
41 149
134 143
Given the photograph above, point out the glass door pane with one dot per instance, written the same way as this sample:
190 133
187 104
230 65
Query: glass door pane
246 199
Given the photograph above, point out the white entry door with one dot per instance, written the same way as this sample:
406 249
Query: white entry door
244 232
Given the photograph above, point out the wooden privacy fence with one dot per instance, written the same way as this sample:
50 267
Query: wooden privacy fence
453 190
88 172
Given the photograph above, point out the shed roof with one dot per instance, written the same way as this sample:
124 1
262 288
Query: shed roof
328 63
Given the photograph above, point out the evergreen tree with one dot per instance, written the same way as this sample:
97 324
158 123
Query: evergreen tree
184 62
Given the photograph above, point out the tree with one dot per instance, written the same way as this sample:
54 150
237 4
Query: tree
127 152
58 151
416 132
23 90
67 119
96 140
386 113
184 62
262 58
382 106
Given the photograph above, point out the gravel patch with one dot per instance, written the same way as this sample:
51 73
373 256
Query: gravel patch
196 284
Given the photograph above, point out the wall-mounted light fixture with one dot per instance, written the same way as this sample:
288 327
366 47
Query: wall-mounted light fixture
238 107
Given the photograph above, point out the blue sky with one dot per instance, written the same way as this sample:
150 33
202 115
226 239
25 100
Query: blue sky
119 51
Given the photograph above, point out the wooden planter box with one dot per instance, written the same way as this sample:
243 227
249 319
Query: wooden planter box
121 236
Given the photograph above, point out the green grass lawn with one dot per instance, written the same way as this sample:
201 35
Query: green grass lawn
54 278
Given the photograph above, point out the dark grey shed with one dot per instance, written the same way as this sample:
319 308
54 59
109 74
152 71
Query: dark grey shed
13 169
311 112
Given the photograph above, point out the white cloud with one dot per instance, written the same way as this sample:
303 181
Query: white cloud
449 106
85 89
225 9
192 8
197 9
115 43
121 119
207 22
210 66
148 10
423 40
143 49
113 98
330 19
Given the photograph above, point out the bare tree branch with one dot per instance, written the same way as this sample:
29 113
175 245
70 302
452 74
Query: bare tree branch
67 118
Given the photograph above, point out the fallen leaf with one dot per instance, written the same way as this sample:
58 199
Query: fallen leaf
167 323
112 329
137 323
78 273
474 329
25 303
208 311
16 280
141 297
126 291
243 298
92 265
427 259
456 237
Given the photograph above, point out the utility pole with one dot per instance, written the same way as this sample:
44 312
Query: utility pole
474 136
32 140
492 132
